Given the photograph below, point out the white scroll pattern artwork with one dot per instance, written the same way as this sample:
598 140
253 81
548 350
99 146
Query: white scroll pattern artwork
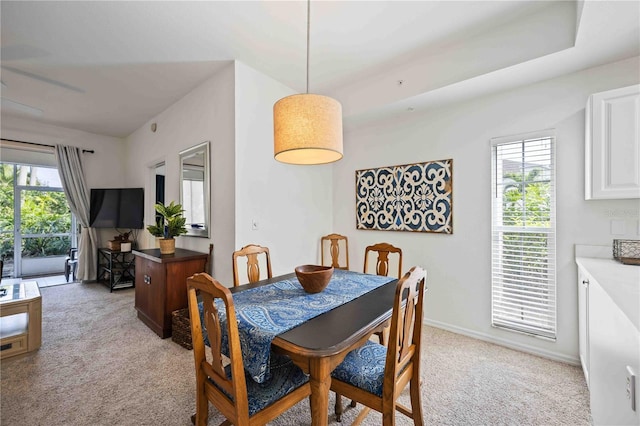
413 197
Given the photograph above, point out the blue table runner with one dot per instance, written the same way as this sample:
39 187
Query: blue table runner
266 311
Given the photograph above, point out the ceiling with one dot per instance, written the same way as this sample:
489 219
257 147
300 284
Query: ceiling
109 67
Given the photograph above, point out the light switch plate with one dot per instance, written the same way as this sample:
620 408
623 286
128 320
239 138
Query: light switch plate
617 227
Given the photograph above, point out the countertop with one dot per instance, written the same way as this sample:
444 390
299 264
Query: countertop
620 282
180 255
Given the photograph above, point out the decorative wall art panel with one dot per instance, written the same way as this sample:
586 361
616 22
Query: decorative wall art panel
414 197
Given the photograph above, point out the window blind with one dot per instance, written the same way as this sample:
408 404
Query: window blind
523 254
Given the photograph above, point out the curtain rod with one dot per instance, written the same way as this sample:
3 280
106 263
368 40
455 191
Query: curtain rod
90 151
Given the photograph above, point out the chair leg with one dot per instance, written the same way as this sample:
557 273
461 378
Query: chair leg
66 269
202 409
361 416
75 271
416 405
201 419
338 407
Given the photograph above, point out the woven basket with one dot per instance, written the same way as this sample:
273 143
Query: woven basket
181 328
627 251
167 245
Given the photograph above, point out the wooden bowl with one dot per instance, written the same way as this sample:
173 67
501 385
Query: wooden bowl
314 278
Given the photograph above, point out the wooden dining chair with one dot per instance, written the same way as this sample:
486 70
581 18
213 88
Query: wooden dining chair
375 375
382 268
240 400
209 263
382 262
331 243
251 252
71 264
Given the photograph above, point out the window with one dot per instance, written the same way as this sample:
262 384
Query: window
523 296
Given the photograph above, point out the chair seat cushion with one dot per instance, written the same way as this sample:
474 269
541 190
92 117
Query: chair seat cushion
285 378
364 368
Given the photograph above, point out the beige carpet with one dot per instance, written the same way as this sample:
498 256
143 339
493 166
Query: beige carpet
99 365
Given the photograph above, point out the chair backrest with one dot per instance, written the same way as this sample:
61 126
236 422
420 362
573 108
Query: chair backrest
73 254
382 262
331 244
211 369
251 252
403 351
208 264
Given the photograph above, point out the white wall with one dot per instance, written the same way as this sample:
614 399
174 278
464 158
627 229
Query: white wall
204 114
292 205
233 110
458 265
103 169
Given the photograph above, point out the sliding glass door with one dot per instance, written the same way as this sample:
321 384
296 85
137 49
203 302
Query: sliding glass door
36 227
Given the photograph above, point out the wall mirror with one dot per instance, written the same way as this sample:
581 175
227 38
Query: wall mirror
194 189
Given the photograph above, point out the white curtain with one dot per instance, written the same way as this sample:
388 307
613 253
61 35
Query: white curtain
72 176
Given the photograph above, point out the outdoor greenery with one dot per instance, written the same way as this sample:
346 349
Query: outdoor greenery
42 212
526 203
526 200
6 210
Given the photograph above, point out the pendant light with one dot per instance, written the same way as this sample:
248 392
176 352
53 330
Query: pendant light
307 128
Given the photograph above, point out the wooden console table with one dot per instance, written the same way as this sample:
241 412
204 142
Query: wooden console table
161 285
21 312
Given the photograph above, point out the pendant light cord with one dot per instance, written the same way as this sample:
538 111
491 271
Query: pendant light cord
308 30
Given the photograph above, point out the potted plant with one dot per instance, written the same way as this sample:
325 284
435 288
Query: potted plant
171 224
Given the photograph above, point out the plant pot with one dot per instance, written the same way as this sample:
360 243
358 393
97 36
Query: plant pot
167 245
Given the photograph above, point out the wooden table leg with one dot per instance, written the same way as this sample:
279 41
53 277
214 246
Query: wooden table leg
34 327
320 379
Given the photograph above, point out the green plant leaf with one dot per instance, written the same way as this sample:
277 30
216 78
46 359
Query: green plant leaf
172 219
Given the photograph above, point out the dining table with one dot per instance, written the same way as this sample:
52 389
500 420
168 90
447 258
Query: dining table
326 325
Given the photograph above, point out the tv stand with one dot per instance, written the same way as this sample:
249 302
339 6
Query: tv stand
116 269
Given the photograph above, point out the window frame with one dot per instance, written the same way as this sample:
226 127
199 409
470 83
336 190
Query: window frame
18 234
547 326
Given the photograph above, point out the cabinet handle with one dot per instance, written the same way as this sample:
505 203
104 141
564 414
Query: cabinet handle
147 279
585 283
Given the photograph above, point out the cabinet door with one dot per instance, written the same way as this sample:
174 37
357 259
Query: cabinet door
583 321
149 297
142 289
156 295
612 151
614 344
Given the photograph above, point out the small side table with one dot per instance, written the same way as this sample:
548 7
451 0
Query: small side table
116 269
21 318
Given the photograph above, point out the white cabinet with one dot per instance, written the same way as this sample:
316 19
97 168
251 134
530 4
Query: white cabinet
612 150
614 346
609 332
583 321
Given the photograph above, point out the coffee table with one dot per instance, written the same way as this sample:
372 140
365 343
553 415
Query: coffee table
20 318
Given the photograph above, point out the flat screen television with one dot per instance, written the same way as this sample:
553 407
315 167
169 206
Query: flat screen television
117 208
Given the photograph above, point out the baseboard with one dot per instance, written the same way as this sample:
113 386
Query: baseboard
503 342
